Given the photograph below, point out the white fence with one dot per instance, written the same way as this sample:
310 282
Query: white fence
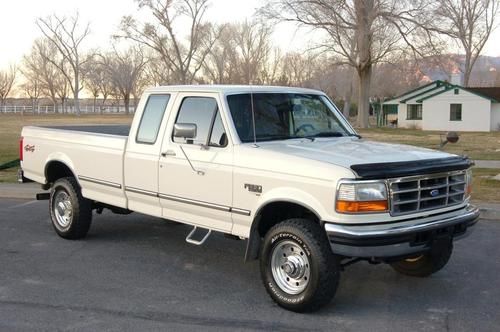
60 110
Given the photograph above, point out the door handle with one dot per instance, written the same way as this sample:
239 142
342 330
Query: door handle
168 153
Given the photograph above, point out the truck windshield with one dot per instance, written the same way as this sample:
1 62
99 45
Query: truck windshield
280 116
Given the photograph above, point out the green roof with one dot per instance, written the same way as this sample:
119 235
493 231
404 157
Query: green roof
438 82
424 92
451 87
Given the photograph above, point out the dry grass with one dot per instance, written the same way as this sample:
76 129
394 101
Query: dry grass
484 187
11 125
477 145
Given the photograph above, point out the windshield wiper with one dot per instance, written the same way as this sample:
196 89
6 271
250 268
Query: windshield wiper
356 135
275 138
325 134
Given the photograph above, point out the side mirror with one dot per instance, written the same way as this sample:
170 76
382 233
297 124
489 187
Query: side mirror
185 130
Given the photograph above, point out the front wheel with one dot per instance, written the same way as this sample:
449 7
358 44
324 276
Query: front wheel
425 264
297 265
70 212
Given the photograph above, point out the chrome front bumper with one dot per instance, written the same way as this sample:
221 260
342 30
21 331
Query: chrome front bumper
393 239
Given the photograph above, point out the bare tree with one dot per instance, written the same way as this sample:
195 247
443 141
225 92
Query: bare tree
221 64
36 64
7 79
123 69
253 45
361 32
183 56
62 91
469 23
272 67
299 68
97 80
243 54
155 72
32 88
67 35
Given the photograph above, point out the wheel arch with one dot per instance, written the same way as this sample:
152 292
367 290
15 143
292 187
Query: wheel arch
56 169
271 213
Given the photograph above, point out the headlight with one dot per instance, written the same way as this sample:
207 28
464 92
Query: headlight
361 197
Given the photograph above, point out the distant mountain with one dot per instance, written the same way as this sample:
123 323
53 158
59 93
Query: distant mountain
486 71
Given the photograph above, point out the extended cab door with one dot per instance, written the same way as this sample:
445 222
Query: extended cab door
142 154
196 174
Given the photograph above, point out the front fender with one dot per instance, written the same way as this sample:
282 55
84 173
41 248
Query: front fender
282 194
291 195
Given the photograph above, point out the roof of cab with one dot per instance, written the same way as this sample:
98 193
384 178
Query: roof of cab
230 89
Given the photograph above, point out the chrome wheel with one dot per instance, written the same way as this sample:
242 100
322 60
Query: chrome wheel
63 209
290 267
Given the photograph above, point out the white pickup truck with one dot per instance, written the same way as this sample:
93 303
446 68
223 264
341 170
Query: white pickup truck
277 166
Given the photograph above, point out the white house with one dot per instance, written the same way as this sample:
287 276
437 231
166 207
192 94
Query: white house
444 106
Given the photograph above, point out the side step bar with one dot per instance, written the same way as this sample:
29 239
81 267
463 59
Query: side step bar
190 237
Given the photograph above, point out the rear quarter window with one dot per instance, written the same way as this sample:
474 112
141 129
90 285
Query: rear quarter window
152 116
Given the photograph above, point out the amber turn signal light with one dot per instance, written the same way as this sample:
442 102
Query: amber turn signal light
360 207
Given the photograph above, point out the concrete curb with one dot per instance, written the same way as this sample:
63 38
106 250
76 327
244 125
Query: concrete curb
489 211
20 190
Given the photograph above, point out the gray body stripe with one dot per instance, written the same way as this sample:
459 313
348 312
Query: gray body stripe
141 191
195 202
101 182
190 201
240 211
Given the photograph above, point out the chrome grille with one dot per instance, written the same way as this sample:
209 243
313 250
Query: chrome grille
427 192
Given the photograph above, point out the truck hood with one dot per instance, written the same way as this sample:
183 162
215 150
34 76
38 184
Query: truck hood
348 151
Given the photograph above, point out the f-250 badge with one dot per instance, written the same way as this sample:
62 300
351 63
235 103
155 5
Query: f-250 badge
253 188
29 148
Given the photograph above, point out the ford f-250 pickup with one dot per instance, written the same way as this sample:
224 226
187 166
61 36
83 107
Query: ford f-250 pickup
277 166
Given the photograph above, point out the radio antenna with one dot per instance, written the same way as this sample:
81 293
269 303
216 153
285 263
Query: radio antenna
253 118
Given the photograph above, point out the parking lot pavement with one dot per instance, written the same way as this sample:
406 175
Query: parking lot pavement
137 273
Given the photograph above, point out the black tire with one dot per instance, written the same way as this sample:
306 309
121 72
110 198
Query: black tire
426 264
312 246
74 224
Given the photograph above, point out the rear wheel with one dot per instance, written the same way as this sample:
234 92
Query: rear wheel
298 268
70 212
425 264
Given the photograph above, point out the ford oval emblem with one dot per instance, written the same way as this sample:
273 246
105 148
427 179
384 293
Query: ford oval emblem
434 192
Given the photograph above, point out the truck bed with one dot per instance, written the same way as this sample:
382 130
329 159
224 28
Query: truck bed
118 130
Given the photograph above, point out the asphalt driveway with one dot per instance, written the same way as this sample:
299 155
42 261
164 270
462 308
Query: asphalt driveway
137 273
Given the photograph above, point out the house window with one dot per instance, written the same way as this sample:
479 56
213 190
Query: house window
455 112
414 112
456 91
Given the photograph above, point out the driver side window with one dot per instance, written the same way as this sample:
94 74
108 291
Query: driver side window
204 113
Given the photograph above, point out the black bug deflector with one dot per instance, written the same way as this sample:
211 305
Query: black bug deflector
408 168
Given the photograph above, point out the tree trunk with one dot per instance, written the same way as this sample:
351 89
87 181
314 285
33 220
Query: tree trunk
95 101
364 10
76 92
467 69
347 106
126 101
365 77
